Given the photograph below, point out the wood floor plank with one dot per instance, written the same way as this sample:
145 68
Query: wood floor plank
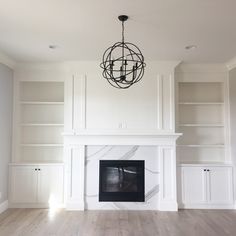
44 222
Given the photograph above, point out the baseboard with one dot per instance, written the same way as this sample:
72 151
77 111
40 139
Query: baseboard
3 206
75 206
234 207
33 205
168 206
206 206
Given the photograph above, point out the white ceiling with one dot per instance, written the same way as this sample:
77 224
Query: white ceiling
83 29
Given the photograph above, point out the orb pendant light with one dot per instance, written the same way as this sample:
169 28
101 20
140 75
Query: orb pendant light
123 63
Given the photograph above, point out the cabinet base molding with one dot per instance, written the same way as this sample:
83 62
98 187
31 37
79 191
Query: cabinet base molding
34 205
4 206
206 206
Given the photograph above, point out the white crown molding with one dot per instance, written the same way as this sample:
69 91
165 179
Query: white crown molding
231 64
202 68
7 61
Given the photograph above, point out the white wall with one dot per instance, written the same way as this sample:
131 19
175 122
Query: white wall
232 97
146 106
6 97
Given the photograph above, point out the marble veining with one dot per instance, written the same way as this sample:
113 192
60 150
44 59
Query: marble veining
106 152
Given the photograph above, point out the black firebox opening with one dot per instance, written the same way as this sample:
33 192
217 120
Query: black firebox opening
121 180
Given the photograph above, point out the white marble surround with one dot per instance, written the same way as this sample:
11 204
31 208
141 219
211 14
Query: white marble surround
83 153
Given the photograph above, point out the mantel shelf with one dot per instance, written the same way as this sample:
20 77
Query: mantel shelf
120 138
119 133
201 103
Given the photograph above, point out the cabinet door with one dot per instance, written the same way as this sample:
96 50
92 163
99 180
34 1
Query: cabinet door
193 185
23 184
220 185
50 185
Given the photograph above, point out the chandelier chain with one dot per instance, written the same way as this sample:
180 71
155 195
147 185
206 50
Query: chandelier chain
123 32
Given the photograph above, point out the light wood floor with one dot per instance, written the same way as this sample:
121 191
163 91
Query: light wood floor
36 222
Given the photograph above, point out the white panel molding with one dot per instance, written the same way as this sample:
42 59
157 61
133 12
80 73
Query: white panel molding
159 102
80 102
172 102
75 178
3 206
168 195
69 104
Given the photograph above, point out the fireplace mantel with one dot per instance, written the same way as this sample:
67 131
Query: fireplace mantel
120 137
75 152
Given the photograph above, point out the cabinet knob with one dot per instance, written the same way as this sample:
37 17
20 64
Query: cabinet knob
35 169
204 169
208 170
39 169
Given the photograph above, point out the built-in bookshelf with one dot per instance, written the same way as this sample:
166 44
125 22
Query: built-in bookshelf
201 119
40 122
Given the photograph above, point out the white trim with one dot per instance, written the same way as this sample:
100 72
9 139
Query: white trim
33 205
172 102
168 206
7 61
75 206
120 139
202 68
75 180
168 194
206 206
3 206
159 102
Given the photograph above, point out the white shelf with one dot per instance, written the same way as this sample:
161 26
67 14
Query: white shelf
201 107
201 103
40 103
42 124
204 163
201 125
202 145
41 145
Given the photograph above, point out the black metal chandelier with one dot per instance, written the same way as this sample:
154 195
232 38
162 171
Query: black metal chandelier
123 63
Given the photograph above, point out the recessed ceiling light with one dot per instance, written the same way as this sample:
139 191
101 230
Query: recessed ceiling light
190 47
53 46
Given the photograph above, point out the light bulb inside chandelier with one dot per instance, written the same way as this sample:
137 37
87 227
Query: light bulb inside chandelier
123 63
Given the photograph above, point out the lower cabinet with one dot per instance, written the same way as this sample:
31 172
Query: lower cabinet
41 185
205 186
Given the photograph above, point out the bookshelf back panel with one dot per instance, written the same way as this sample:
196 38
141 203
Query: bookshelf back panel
42 91
41 154
42 114
42 135
201 92
202 135
201 114
200 155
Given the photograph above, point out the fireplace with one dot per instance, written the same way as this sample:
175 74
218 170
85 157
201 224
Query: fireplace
121 181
